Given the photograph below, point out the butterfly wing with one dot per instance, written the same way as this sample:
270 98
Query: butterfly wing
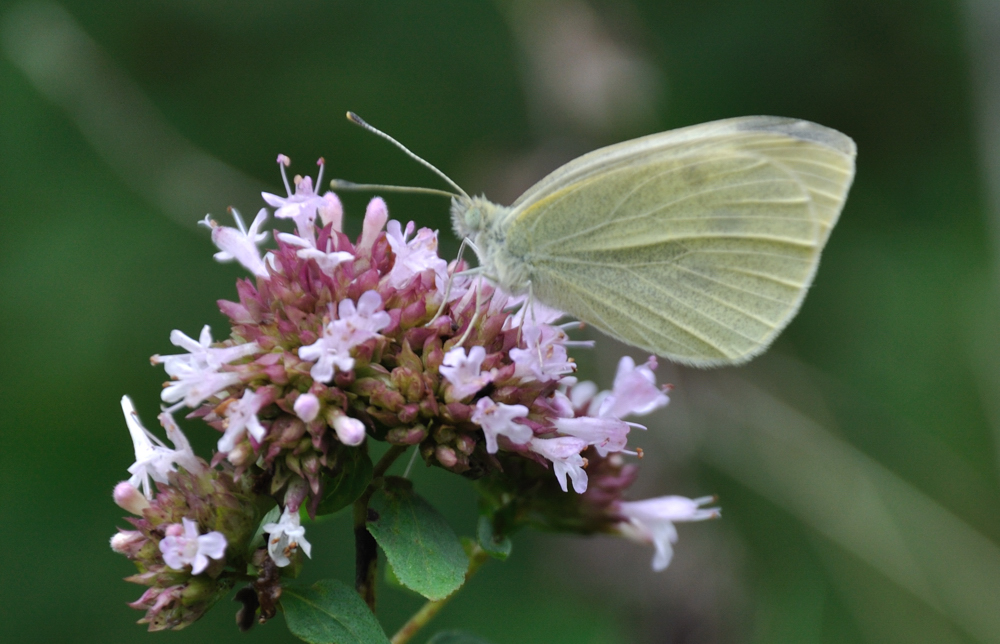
697 244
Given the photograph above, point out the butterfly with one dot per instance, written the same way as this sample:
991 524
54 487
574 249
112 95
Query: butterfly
697 244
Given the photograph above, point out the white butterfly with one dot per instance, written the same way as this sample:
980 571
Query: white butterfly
697 244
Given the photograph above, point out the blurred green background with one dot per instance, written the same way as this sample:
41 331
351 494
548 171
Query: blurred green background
857 462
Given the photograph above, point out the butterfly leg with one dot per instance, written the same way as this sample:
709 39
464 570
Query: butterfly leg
527 306
530 303
451 276
475 314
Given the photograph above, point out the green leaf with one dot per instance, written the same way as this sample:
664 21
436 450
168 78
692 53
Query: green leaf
392 580
422 548
350 481
330 612
456 637
498 546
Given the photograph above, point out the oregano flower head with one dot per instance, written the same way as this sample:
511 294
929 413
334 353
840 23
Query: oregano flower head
335 344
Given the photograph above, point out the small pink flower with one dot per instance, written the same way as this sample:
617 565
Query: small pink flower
327 260
201 354
184 455
284 537
652 521
183 546
564 452
533 315
544 358
497 419
464 373
605 434
192 386
196 374
635 391
330 351
301 206
356 324
241 417
365 320
239 243
414 256
154 460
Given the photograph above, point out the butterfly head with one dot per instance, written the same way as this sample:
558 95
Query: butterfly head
470 216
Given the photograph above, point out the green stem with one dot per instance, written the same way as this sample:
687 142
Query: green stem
388 459
365 548
477 558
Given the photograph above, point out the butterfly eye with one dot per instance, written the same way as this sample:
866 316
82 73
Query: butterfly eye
473 218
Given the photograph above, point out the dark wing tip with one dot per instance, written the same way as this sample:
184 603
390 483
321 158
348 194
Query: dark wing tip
800 129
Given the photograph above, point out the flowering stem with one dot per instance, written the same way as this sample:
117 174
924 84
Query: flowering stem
365 548
365 557
477 557
383 463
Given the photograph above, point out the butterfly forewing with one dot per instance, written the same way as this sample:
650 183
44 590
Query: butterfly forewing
697 244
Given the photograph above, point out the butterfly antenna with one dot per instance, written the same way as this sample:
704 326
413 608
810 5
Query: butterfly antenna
357 120
340 184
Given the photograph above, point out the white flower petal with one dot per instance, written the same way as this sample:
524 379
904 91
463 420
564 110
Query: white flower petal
497 419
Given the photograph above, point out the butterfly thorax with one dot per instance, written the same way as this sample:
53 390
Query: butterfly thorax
482 222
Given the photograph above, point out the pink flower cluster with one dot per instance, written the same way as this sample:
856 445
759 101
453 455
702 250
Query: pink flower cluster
344 336
338 341
182 533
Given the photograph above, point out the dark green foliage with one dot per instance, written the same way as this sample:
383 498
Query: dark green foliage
329 612
425 553
347 485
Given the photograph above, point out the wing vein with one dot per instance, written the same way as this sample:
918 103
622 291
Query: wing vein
663 316
610 221
714 319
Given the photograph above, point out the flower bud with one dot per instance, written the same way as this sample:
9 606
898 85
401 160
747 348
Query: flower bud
444 434
296 493
465 444
294 463
307 407
408 382
128 543
446 456
310 468
288 430
130 499
408 413
414 313
376 215
387 398
176 606
406 435
350 431
433 354
242 455
332 211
